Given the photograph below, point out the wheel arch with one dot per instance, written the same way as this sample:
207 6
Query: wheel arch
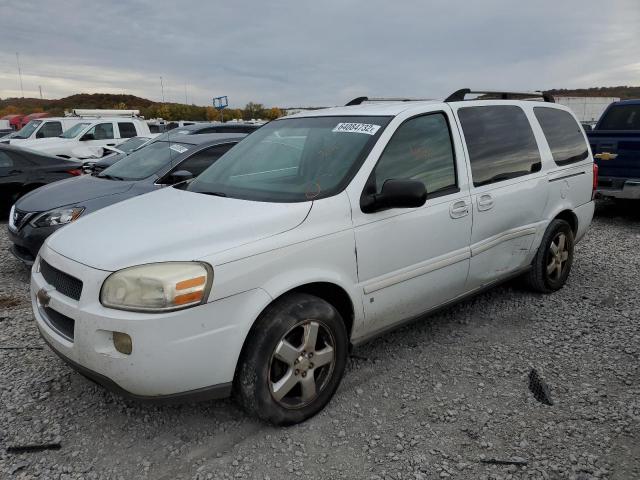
331 292
570 217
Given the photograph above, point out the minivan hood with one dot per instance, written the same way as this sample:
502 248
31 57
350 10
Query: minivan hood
171 225
71 191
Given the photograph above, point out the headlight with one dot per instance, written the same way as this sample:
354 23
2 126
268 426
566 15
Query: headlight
59 216
158 287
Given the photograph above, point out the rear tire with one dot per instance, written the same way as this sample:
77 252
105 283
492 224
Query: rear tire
293 360
552 264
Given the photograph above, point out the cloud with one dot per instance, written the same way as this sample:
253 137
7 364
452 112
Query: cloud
293 53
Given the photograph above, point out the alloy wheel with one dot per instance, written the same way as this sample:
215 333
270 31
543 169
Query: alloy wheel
557 256
302 364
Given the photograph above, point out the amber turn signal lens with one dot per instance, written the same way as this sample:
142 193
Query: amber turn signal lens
192 282
188 298
122 342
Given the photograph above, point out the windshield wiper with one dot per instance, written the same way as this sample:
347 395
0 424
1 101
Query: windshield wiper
217 194
109 177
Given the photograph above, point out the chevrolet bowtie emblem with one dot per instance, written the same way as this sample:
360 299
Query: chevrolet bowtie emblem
605 156
43 297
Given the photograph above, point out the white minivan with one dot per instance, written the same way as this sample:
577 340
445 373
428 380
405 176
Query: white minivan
316 233
87 137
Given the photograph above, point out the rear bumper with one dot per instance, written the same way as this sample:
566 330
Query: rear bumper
627 188
585 216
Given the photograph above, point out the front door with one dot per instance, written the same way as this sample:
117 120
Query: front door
413 259
98 136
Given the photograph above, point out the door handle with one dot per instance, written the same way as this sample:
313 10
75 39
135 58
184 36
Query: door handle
111 144
485 202
15 172
459 209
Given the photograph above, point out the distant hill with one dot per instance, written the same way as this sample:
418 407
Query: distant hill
80 100
148 108
620 92
177 111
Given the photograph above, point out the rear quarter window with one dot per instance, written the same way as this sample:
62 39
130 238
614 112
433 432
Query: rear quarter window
500 142
621 117
563 135
127 129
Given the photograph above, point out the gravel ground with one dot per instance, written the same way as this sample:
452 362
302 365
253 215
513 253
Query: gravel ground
431 400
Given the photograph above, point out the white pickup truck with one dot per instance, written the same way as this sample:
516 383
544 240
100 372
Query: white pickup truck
42 128
88 136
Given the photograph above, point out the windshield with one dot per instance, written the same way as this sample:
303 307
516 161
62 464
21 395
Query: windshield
28 129
293 160
146 161
621 117
131 144
74 131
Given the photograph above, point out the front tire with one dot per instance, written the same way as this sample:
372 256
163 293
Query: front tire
293 360
552 264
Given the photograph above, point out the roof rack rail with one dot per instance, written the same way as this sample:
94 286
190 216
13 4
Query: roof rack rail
458 95
359 100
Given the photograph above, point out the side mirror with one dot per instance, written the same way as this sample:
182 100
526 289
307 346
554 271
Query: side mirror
178 176
395 193
40 134
87 136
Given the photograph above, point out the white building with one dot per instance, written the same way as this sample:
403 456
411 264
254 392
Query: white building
587 109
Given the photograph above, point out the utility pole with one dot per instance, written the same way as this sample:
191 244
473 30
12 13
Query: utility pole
162 87
40 88
19 73
185 94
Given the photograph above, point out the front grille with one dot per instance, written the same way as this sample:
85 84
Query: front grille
62 282
62 324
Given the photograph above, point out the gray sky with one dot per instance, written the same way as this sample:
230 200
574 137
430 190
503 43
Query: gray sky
298 53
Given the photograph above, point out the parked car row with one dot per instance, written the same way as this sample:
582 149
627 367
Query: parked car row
314 233
87 137
164 162
23 169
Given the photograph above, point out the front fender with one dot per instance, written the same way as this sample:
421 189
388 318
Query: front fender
329 259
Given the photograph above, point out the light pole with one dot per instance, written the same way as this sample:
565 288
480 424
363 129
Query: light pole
19 73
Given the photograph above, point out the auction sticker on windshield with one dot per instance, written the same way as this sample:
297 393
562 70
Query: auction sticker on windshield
178 148
367 128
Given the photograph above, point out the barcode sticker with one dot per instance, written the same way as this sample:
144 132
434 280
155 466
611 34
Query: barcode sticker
178 148
366 128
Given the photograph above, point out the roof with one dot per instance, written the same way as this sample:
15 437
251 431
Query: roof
366 109
634 101
212 138
204 125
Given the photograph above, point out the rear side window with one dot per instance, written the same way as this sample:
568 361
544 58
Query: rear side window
563 135
500 142
621 117
420 149
50 129
127 129
199 162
